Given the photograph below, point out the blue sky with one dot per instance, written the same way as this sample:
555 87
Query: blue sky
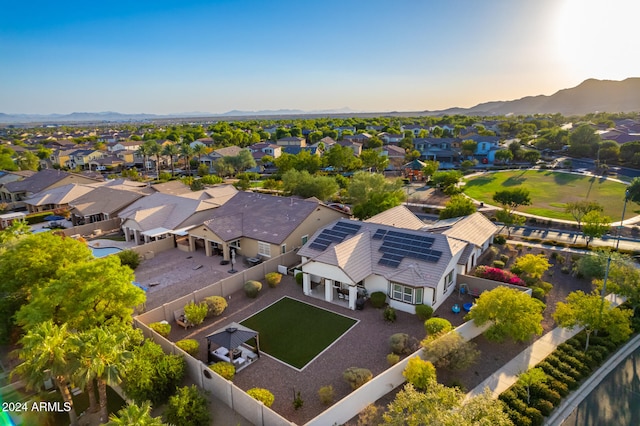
215 56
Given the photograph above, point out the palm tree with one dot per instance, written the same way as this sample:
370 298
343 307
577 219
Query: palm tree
134 415
156 149
47 355
144 151
187 152
200 149
106 357
172 151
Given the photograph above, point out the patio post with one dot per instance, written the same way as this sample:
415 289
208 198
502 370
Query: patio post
306 283
328 290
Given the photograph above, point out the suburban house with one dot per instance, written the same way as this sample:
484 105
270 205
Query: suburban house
486 149
82 157
415 129
292 141
55 198
395 154
390 138
356 147
444 150
361 138
14 193
161 215
106 201
394 253
125 145
260 226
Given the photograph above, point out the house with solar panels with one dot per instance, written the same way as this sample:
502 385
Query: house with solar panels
394 253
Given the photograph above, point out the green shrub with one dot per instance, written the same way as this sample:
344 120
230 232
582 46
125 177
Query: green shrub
544 407
196 314
225 369
498 264
400 343
216 305
424 312
392 359
542 391
273 279
129 258
499 240
437 326
377 299
252 288
299 276
557 386
326 394
504 258
162 328
389 314
188 407
262 395
535 416
538 293
356 377
517 418
190 346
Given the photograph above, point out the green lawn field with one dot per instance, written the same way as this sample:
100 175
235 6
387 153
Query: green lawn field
296 332
551 190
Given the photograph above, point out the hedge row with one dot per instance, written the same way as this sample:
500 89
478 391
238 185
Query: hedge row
565 368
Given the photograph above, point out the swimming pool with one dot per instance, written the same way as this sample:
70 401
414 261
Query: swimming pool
104 251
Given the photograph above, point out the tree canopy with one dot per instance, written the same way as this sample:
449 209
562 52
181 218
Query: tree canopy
304 184
511 199
595 225
578 209
457 206
372 193
512 313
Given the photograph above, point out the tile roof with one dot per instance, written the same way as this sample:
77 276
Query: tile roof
64 194
40 181
399 217
174 187
358 255
104 199
476 228
260 217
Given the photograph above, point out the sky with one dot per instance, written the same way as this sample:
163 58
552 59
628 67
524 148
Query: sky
166 57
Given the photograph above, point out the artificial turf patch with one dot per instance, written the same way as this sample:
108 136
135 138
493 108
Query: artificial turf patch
296 332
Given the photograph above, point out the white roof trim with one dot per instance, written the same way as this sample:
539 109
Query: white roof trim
155 232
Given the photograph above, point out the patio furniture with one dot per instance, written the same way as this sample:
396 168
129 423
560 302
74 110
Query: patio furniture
181 319
467 306
455 309
360 303
253 261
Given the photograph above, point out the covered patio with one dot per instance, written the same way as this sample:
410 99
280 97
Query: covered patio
231 346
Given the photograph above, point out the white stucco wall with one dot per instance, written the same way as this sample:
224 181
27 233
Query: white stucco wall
327 271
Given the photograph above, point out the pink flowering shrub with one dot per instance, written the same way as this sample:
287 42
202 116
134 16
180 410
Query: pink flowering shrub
497 274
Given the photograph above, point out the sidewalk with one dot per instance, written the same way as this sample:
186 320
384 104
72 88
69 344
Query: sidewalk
506 376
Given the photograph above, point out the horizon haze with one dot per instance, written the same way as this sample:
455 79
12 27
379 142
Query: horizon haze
217 56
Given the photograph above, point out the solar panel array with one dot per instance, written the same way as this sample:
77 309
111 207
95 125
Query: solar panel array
398 245
336 234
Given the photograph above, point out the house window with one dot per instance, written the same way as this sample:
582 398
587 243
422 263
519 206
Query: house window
407 294
264 249
305 238
283 248
448 280
235 244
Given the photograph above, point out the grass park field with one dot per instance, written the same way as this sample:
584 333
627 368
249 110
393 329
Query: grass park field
296 332
550 191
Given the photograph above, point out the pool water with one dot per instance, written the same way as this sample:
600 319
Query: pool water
104 251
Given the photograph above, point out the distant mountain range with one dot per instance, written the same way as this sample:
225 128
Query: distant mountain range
589 96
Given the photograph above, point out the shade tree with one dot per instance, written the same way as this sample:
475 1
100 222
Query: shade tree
595 225
457 206
578 209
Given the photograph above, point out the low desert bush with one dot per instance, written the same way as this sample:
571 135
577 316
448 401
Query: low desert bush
299 277
252 288
129 258
162 328
263 395
400 343
498 264
326 394
378 298
225 369
437 326
216 305
424 312
356 377
196 314
273 279
392 359
190 346
389 314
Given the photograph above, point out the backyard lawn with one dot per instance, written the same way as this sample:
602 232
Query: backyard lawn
296 332
551 190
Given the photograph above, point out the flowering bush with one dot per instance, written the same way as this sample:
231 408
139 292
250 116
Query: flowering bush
497 274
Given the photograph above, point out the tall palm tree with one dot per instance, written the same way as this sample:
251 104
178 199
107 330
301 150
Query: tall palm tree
200 150
135 415
47 355
187 152
156 149
107 357
172 151
144 151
